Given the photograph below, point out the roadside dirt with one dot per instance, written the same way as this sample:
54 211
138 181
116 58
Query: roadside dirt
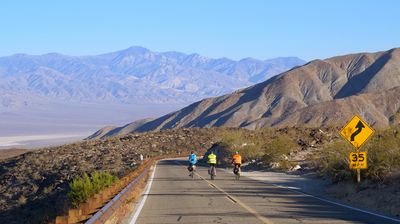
382 197
377 197
8 153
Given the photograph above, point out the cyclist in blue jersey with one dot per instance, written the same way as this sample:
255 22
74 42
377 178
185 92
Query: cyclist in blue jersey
192 163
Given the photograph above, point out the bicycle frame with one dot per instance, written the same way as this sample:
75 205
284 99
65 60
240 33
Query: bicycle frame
237 174
191 173
212 171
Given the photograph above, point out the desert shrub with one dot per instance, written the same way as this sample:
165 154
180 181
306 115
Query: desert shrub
101 180
245 142
265 144
232 137
251 151
82 188
383 154
333 161
276 150
383 157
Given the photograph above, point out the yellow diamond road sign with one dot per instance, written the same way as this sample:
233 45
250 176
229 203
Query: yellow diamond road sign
356 131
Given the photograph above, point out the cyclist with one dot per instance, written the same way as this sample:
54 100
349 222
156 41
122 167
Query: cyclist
212 161
192 162
237 161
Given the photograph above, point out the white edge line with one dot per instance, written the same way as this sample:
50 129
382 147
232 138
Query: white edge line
331 202
293 189
143 200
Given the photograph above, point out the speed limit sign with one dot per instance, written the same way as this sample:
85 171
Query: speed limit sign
358 160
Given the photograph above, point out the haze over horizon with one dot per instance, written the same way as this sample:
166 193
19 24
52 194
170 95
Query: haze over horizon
230 29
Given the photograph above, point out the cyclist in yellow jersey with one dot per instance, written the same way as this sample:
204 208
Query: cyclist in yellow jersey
212 161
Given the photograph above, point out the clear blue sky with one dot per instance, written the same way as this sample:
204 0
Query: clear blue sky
236 29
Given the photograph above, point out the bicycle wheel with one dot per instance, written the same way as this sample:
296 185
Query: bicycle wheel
213 173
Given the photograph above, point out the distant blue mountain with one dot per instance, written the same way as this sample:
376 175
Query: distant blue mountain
133 75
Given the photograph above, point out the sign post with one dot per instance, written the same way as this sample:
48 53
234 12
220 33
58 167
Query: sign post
357 132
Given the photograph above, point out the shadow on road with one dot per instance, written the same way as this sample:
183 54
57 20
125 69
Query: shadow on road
274 203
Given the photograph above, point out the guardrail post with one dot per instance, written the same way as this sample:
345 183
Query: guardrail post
62 220
73 215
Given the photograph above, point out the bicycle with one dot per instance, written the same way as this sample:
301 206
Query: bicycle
192 170
212 171
236 171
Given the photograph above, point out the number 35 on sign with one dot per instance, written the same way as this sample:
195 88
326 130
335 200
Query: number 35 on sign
358 160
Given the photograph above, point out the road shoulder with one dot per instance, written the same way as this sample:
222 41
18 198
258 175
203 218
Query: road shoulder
344 194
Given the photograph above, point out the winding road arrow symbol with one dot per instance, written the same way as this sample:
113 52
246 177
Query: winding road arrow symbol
359 127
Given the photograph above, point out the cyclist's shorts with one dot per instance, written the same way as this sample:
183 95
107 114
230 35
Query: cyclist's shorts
237 164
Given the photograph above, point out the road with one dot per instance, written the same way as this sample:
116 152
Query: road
175 198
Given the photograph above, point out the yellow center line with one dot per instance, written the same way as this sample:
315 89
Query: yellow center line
243 205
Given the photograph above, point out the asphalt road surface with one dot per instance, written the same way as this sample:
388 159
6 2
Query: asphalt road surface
175 198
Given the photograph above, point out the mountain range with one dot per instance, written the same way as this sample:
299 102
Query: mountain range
132 76
319 93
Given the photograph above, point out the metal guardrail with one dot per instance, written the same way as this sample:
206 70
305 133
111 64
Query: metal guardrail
109 209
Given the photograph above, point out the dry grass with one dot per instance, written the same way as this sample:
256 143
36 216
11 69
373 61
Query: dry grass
268 145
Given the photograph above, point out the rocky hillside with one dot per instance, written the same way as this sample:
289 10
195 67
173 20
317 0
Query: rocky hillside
112 130
322 92
33 185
